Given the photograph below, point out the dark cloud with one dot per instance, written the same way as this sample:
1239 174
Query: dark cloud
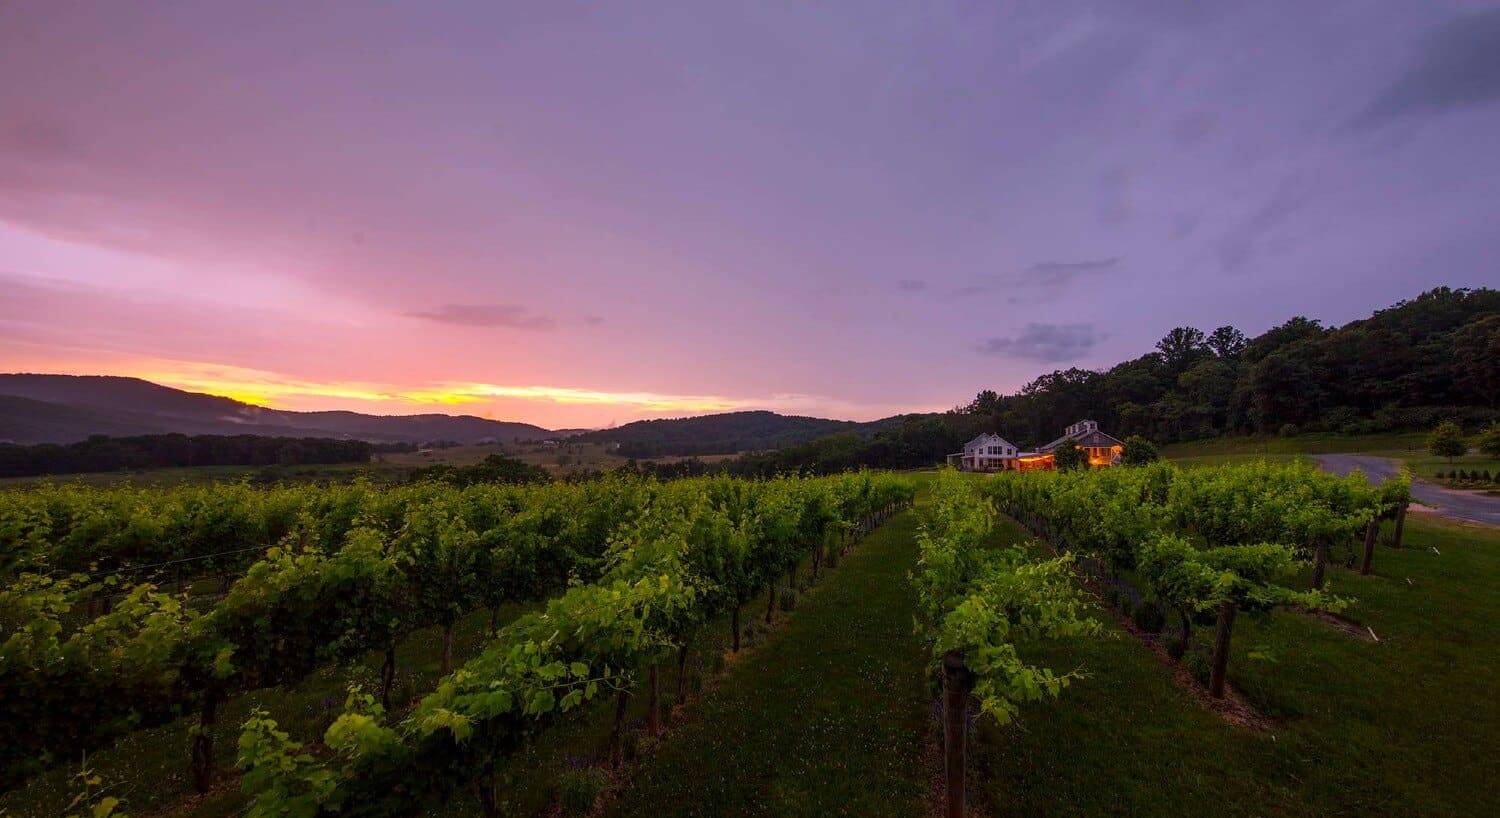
1041 282
911 285
1063 272
1240 244
1458 66
1046 343
513 316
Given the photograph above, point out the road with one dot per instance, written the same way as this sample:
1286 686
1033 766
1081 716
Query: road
1460 505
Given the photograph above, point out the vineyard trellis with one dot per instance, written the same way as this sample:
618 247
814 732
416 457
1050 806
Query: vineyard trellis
1209 541
356 569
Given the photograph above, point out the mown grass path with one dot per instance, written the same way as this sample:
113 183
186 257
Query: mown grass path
826 718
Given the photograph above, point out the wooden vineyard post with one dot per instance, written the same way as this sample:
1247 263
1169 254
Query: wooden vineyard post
203 742
957 681
770 601
1221 649
653 702
682 657
388 674
1320 565
617 733
1371 531
734 623
1400 524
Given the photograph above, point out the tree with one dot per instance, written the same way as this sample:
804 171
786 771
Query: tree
1181 347
1069 457
1489 440
1226 342
1447 441
1139 451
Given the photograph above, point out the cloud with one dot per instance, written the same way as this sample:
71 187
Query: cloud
1458 66
1241 243
1057 273
1041 282
911 285
1046 343
513 316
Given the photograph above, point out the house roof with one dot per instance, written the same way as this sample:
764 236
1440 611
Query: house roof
1092 437
987 438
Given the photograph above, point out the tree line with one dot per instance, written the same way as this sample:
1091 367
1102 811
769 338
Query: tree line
102 453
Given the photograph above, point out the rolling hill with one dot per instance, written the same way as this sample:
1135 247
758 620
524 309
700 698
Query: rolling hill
65 408
725 433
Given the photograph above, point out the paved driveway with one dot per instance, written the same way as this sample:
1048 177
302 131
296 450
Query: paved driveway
1460 505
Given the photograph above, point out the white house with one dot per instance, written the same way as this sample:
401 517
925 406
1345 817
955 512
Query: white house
990 452
987 452
1102 449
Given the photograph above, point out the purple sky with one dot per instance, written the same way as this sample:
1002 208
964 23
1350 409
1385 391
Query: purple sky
577 214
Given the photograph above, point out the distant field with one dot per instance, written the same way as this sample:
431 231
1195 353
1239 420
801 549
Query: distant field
563 459
1408 442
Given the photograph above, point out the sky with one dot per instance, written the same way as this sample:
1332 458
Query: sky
581 214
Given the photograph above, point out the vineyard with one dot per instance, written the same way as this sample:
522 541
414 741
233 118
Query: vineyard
630 569
1035 597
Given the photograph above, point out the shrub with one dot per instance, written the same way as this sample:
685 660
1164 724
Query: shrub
1148 616
1452 475
578 789
1447 440
1198 663
1463 475
1489 440
788 600
1487 477
1139 450
1439 474
1289 430
718 665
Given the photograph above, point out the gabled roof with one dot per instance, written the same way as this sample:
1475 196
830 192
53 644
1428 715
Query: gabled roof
1089 438
988 438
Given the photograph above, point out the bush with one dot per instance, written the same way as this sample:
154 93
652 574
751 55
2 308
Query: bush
718 665
1447 440
1200 664
1149 617
1139 450
788 600
1289 430
1439 475
1489 440
578 789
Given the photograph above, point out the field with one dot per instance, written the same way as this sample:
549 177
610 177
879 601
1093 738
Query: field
834 709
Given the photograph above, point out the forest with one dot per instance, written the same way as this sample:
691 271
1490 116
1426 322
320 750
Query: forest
102 453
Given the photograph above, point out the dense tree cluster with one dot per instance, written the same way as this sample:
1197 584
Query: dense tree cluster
100 453
1432 358
493 469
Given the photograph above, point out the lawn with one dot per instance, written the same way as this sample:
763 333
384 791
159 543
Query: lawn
829 718
1406 726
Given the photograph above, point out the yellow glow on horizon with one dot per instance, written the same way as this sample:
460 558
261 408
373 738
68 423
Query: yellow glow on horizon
274 391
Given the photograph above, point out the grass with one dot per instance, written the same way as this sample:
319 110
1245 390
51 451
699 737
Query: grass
828 718
1325 443
1394 728
148 768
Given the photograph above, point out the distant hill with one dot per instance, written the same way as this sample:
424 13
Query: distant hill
725 433
66 408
